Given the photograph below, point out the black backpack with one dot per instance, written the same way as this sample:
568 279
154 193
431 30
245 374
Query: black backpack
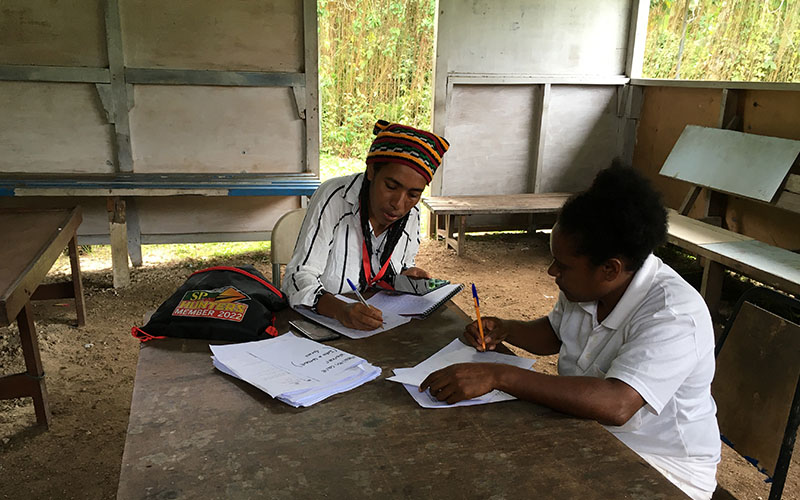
218 303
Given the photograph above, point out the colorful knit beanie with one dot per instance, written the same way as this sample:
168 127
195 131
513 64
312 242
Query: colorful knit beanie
418 149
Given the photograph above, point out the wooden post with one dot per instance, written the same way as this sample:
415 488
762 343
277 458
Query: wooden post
119 241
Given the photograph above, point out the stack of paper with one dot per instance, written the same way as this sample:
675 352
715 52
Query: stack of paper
455 352
390 320
297 371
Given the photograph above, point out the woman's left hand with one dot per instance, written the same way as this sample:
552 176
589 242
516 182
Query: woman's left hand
416 272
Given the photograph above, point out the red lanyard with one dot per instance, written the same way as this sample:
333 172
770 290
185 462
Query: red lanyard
366 258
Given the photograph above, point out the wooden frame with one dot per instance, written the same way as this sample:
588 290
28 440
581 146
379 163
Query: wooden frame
114 86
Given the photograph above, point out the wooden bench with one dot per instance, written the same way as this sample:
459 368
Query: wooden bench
720 249
754 167
448 214
117 187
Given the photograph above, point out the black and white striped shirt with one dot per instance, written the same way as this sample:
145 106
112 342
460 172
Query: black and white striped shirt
328 250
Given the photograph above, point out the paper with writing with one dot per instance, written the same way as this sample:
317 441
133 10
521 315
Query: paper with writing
391 320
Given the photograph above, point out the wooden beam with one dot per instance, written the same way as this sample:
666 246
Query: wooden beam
119 88
312 100
165 76
524 79
539 133
20 73
793 183
637 34
707 84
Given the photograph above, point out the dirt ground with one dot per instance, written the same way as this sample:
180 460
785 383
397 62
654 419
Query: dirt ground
90 371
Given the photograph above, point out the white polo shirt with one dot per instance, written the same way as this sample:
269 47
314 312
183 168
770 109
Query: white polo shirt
659 339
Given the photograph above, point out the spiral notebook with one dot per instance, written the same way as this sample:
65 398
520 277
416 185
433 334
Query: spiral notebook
414 305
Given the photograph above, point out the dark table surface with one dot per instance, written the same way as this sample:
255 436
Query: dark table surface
33 241
196 433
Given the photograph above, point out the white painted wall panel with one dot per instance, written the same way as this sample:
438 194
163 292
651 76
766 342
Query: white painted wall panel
53 33
574 37
216 130
260 35
53 128
194 214
489 129
583 135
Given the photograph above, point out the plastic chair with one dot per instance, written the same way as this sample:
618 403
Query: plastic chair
284 238
757 383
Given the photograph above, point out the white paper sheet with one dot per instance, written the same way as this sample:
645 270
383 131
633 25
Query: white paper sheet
390 319
453 353
295 370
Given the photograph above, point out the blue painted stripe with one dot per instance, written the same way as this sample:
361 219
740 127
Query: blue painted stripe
6 191
298 191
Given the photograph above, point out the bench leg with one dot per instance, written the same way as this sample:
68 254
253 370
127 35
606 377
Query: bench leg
30 383
449 241
431 225
77 283
462 226
711 287
119 242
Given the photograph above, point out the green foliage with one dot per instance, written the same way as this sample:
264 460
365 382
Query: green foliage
333 166
375 61
725 40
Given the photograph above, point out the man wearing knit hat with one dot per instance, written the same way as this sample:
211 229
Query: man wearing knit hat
364 227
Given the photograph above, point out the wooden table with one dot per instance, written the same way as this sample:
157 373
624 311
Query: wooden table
449 214
196 433
33 240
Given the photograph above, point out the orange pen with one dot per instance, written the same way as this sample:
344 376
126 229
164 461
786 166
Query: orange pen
478 313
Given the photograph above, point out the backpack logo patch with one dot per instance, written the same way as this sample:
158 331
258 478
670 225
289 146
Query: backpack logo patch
221 303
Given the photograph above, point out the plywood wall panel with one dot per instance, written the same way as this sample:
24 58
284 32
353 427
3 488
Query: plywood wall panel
665 113
773 113
777 114
763 222
489 128
583 135
216 130
53 128
194 214
258 35
54 33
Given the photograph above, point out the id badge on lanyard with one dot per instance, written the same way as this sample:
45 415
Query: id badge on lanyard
366 259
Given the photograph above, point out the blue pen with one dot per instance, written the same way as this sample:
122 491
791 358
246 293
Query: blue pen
356 291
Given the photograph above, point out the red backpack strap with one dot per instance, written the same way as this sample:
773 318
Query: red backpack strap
142 335
271 330
241 271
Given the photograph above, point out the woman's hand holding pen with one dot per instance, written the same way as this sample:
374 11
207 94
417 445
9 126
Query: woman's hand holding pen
359 316
493 333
